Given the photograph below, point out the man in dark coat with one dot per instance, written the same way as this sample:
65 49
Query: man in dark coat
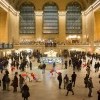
21 82
90 86
15 83
66 80
54 65
7 72
43 67
25 92
69 88
59 79
30 65
66 64
73 78
86 80
4 82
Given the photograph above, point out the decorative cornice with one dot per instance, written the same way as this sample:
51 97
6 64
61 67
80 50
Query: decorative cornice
7 7
92 7
38 13
62 13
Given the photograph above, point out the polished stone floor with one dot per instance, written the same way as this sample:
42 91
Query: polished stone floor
47 87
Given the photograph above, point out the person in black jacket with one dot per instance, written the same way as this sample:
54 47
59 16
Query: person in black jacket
90 86
65 64
86 80
59 79
43 68
30 65
15 82
69 88
66 80
73 78
25 92
4 82
21 82
6 72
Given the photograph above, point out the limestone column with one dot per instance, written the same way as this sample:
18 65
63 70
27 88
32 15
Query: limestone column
62 26
91 35
39 24
13 27
84 28
90 28
16 37
3 27
9 25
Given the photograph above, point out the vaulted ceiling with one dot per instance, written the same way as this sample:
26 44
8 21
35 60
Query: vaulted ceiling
84 3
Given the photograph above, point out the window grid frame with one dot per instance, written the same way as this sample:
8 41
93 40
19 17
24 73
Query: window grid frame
47 20
75 21
29 26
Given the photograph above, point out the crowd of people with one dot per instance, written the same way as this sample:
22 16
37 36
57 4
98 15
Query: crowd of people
78 60
15 82
75 60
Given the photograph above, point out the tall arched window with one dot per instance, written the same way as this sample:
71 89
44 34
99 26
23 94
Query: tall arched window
50 18
73 18
27 18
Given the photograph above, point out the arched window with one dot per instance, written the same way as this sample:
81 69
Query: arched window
50 18
73 18
27 18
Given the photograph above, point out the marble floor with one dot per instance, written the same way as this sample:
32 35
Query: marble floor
47 87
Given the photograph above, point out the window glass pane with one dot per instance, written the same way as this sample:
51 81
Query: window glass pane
50 19
73 19
27 19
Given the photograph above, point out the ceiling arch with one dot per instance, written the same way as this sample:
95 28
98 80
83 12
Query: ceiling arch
16 3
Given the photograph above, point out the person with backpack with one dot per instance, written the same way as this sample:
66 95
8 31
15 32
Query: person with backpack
69 88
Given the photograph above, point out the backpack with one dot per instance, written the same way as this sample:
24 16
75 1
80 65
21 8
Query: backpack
69 87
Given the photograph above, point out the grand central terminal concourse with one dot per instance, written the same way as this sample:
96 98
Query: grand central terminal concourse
49 49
